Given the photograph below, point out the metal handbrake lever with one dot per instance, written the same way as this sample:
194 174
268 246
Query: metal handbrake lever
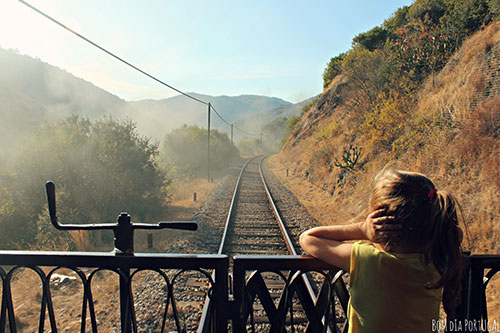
123 228
183 225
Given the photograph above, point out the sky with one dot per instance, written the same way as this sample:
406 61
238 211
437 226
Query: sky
276 48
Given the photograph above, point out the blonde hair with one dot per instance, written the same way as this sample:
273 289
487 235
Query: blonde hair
430 224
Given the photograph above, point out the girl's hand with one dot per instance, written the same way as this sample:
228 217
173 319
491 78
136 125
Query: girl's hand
380 227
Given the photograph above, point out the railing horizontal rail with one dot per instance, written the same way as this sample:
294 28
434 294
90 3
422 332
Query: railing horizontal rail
100 259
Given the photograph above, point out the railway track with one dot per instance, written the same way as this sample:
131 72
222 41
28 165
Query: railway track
254 227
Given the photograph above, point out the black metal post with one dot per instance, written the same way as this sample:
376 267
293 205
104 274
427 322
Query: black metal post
237 313
232 134
208 148
124 245
124 235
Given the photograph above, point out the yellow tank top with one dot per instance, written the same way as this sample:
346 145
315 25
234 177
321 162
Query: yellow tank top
388 292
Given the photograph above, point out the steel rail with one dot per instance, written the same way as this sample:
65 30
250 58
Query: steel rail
232 209
284 232
288 241
202 327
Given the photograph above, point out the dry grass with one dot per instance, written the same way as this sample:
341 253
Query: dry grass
462 82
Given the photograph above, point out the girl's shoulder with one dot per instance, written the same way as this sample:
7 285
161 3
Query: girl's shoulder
371 255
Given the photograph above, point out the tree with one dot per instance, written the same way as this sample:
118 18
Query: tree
100 168
333 69
372 39
185 149
432 9
463 17
421 48
272 133
368 73
397 20
290 126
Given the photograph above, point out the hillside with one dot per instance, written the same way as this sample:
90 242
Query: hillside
57 89
33 92
465 94
451 132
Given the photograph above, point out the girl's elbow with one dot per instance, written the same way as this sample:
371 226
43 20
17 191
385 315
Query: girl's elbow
306 242
303 240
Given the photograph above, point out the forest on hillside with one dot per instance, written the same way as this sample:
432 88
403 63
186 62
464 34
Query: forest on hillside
421 92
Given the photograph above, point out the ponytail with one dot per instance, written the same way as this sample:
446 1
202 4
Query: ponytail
446 250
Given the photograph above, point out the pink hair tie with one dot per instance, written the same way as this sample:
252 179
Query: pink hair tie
432 194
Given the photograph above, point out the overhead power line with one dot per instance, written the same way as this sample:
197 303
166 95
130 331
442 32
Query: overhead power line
218 115
128 63
245 132
108 52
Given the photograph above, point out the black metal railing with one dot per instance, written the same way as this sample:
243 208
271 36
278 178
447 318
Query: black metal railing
126 267
480 269
325 310
236 311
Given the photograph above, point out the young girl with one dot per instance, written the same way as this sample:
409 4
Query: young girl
408 259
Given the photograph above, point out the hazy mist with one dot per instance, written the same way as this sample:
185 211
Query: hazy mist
33 93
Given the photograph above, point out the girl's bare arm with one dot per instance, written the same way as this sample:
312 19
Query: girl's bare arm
328 243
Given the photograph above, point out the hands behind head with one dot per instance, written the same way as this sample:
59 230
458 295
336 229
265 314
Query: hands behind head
380 227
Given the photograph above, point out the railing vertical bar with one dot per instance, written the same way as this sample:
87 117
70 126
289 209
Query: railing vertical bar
50 307
3 308
125 301
8 301
174 309
462 309
82 277
93 320
43 307
220 294
238 313
475 289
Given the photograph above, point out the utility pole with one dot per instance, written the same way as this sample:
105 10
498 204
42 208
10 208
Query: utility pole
231 133
208 148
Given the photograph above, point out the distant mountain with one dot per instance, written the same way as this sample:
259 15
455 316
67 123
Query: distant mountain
59 91
254 122
158 117
33 92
